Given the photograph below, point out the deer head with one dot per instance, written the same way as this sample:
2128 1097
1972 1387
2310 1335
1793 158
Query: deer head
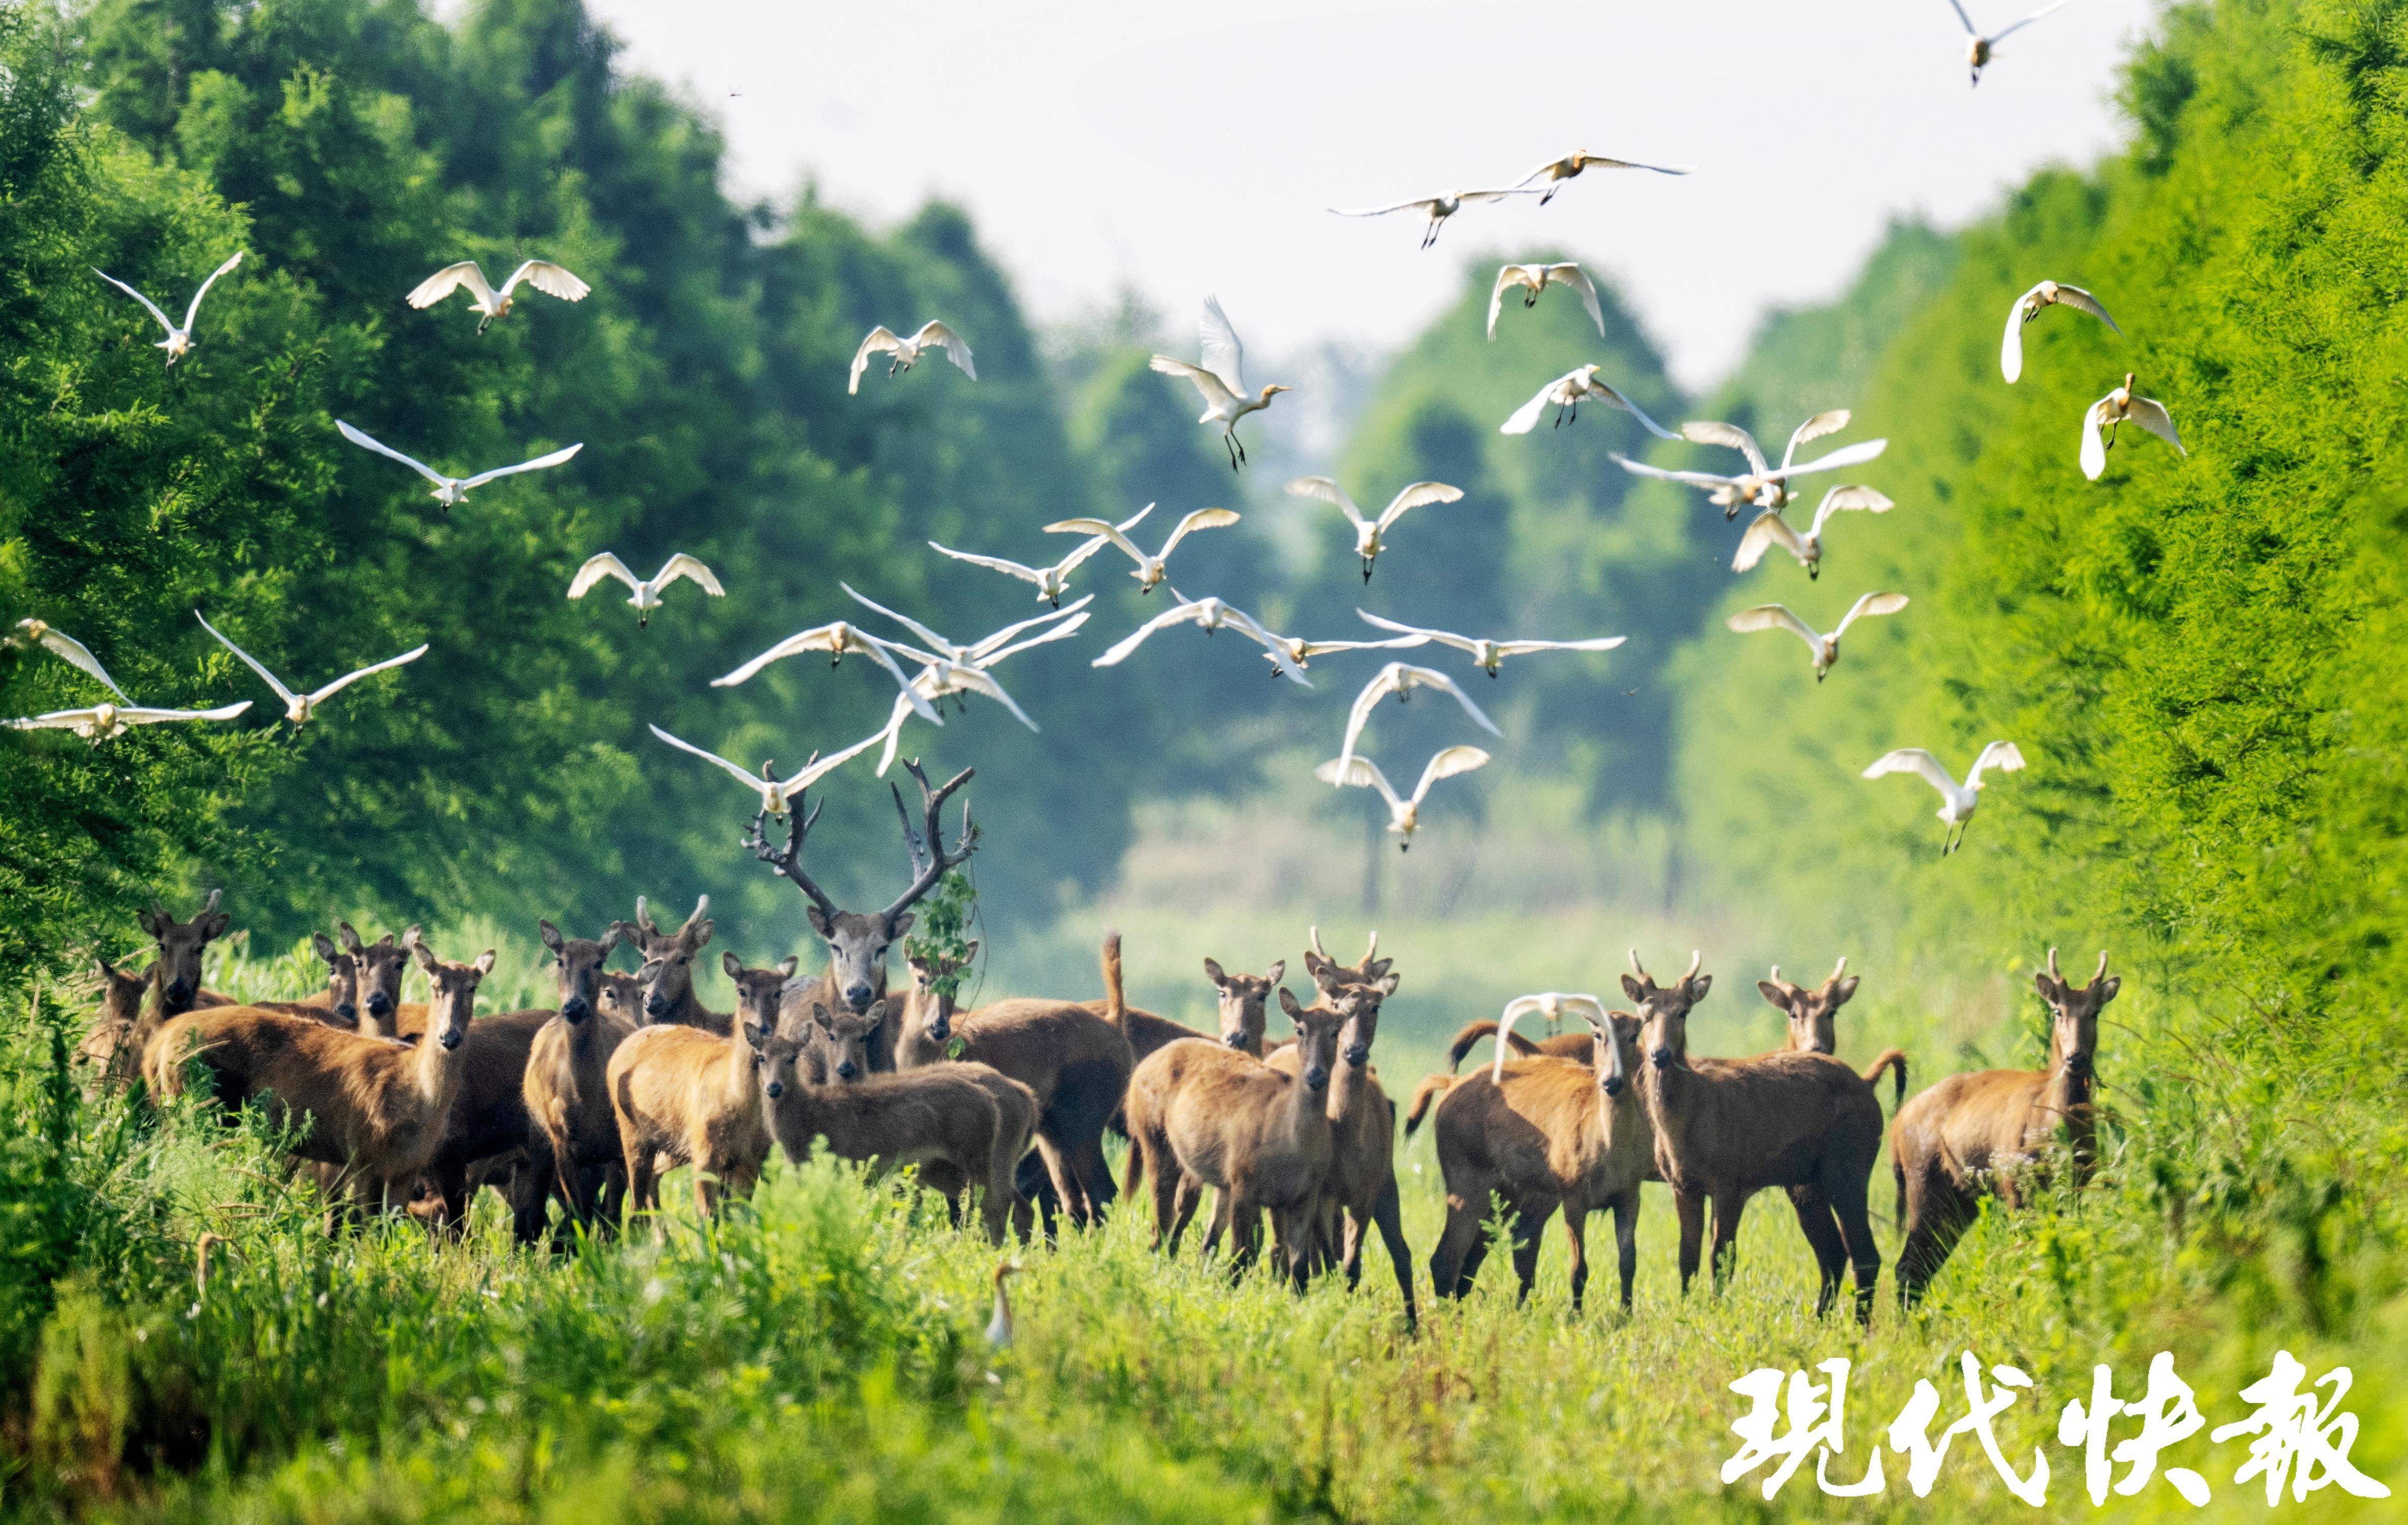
1810 1012
620 997
1359 1005
577 964
1316 1038
380 966
1369 969
667 975
1245 1000
1616 1056
342 978
452 998
1664 1010
843 1038
120 993
2073 1015
758 991
857 941
178 971
932 985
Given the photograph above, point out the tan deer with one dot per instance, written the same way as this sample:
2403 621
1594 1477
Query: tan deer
1726 1128
175 982
576 1131
944 1117
1542 1134
667 975
857 942
1244 1002
687 1097
1985 1133
1813 1030
1259 1136
380 966
1360 1194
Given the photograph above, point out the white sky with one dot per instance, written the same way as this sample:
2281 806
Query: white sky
1181 148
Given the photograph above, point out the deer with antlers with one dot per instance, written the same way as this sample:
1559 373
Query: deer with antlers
1813 1030
667 973
1980 1134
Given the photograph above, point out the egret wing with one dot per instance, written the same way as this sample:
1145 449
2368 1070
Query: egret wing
820 637
985 644
350 678
2076 297
538 464
1776 617
2151 414
2094 448
1593 643
1817 427
1767 530
1913 760
882 340
1432 678
1597 388
1693 479
1414 496
1222 354
1178 615
1197 519
1730 435
979 680
682 565
1447 764
1216 392
1508 277
940 642
1382 684
1970 29
548 279
597 566
195 311
137 716
1447 638
1328 490
1855 455
1271 644
1840 499
448 279
1423 203
1067 628
1870 603
957 350
820 768
1013 569
248 660
2011 344
2003 755
1577 278
78 654
129 291
56 720
750 780
1526 417
364 441
2029 19
1360 773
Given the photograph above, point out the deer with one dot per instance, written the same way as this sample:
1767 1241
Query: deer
375 1107
1244 1002
1360 1194
1259 1136
965 1125
667 975
857 942
380 966
684 1096
575 1133
1985 1133
174 983
1812 1030
113 1053
1726 1128
1076 1063
1540 1133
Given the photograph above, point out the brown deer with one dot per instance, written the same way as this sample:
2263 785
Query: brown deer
1245 1005
1977 1134
380 966
110 1048
1360 1193
1813 1030
620 997
667 975
1542 1133
687 1097
945 1118
576 1133
1726 1128
175 982
1076 1063
1259 1136
376 1107
857 942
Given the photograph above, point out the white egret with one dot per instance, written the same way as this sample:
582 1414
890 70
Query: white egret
1151 570
1556 172
882 340
451 489
1534 278
1958 801
544 276
1825 647
1565 394
1550 1004
1369 532
1404 814
774 793
74 653
179 341
301 709
1210 614
960 669
1301 651
1438 209
940 679
2029 305
2110 414
1979 47
1220 379
1764 485
836 640
1401 679
1051 581
1488 655
645 592
998 1329
1769 529
103 720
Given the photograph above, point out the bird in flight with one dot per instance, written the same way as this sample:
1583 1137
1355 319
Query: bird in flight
1404 814
1301 651
1401 679
1051 581
2110 414
1487 654
1210 614
1565 394
1368 533
968 676
1556 172
836 640
1438 209
1979 47
451 489
1534 278
1151 570
882 340
103 720
544 276
774 792
66 647
2028 306
962 669
301 709
645 593
179 341
1958 801
1763 485
1825 647
1769 529
1220 379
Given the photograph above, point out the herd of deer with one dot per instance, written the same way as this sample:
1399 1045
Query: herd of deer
397 1105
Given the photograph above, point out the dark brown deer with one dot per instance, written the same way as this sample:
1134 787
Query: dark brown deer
1542 1134
1813 1030
110 1048
667 975
380 966
857 942
1978 1134
575 1135
1360 1194
687 1097
175 980
1726 1128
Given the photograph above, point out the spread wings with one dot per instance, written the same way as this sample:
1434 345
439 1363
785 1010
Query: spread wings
450 279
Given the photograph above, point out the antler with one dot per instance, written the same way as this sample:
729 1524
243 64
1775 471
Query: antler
209 905
701 909
789 863
1370 949
1312 940
1838 969
2102 968
2052 966
1785 985
930 859
1639 969
1697 958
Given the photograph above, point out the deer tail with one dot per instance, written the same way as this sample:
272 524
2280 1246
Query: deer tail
1895 1060
1474 1034
1429 1090
1115 1003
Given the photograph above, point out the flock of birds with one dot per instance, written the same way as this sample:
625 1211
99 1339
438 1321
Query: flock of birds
942 669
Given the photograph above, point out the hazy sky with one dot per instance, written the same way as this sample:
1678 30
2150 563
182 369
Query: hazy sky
1181 148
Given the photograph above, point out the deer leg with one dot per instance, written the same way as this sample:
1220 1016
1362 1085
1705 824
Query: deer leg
1822 1236
706 1191
1854 1222
1576 1234
1527 1226
1245 1219
1727 1210
1066 1186
1626 1241
1096 1186
1353 1230
1388 1217
1182 1197
613 1198
1692 1212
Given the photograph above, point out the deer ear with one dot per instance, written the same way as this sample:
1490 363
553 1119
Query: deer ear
1844 992
1386 985
217 924
611 935
1631 987
702 932
2052 991
1287 1004
148 921
820 922
324 947
820 1017
787 966
484 964
1314 963
1214 972
755 1034
1770 992
1379 966
2108 987
1698 986
422 955
548 933
899 925
873 1017
1276 973
728 961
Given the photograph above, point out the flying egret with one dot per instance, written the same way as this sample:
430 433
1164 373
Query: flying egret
1825 648
1401 679
74 653
2110 414
1439 207
1958 801
1404 815
836 640
646 592
2028 306
1051 581
1979 47
1301 651
1487 654
103 720
1369 532
1769 529
1565 394
1557 171
959 669
938 680
301 709
1534 278
451 489
544 276
1210 614
774 792
179 341
1763 486
952 651
882 340
1151 570
1220 379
